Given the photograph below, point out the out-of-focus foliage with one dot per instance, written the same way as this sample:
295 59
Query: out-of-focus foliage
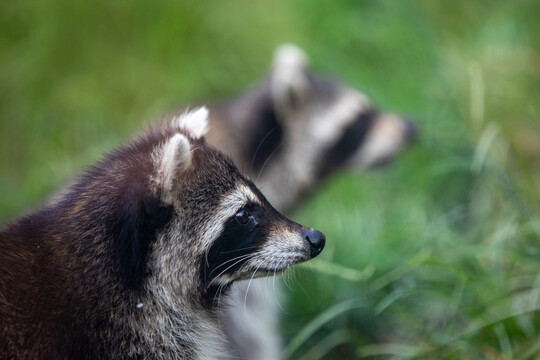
435 257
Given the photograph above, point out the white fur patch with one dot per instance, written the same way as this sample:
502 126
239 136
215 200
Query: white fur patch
175 156
383 141
329 125
290 55
194 122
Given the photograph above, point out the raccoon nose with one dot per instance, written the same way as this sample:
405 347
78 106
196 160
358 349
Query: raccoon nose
411 131
316 241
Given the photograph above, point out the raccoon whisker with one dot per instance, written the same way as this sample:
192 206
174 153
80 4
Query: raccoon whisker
218 293
230 260
226 252
286 274
268 159
275 293
286 281
241 257
259 147
206 259
294 274
246 248
274 283
249 283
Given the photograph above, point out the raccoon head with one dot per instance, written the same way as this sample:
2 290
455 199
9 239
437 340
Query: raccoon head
299 121
338 124
222 228
297 128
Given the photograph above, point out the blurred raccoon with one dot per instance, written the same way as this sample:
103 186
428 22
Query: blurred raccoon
133 259
296 128
289 133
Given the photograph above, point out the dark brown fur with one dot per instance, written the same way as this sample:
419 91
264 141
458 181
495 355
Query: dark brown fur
60 267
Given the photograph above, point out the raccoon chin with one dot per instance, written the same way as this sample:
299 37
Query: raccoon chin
275 266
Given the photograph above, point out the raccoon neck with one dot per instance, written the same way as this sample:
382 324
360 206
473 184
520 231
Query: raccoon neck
185 333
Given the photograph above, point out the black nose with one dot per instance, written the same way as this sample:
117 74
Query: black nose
316 241
411 131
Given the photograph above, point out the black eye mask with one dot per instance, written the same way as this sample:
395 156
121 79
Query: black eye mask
352 139
242 235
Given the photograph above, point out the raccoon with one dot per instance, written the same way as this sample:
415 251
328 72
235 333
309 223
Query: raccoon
135 257
290 133
296 128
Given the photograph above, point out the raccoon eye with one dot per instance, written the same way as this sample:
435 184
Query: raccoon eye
242 217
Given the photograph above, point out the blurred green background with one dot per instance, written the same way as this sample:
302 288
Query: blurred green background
435 257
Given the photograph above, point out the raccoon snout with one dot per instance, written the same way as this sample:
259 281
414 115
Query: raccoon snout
316 241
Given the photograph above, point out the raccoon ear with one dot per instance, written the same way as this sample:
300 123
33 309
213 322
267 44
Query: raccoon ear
194 123
175 157
289 78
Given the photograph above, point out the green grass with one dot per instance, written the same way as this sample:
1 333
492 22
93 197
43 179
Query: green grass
436 257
